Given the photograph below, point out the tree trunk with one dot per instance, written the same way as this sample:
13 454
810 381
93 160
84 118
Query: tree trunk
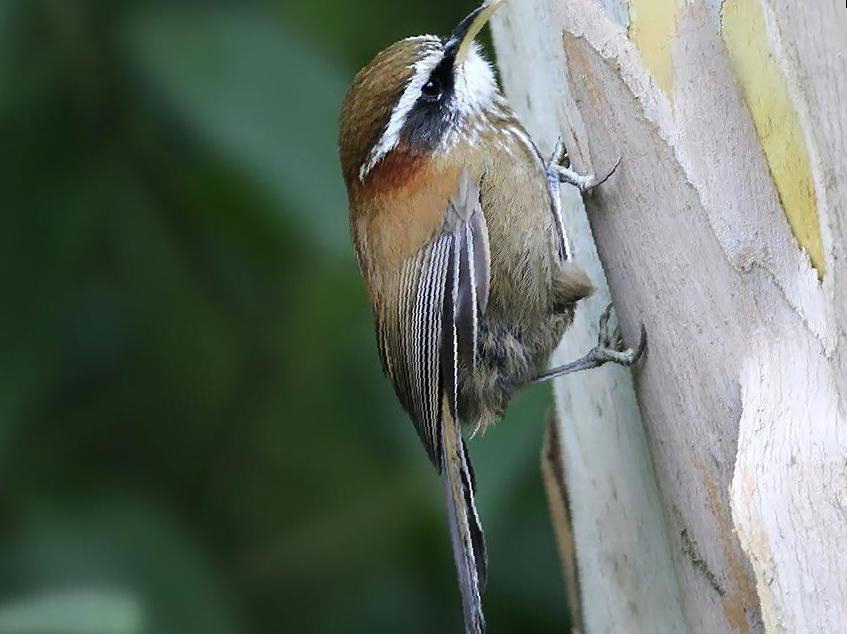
708 488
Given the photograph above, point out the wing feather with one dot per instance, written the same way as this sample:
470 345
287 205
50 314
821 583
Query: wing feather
426 330
411 323
465 529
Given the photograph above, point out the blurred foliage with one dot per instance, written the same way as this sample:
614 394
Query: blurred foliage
195 435
78 612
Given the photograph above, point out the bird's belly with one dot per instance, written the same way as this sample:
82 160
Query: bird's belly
521 327
509 353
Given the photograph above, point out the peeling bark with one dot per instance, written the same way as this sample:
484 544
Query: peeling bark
553 472
707 495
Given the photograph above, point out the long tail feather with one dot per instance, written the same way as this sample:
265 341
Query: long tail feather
465 529
459 310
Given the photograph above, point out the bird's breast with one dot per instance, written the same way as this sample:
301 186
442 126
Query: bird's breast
398 209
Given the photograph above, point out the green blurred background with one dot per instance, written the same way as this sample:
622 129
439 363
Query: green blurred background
195 435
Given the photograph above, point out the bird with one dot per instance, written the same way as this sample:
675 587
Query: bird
458 231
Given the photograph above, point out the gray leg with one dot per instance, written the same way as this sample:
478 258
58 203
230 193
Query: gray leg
610 347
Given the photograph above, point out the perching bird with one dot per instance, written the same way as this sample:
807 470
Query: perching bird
458 231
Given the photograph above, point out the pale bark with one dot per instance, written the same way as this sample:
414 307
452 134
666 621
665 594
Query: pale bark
709 495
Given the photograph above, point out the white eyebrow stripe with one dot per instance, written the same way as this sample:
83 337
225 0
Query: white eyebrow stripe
388 140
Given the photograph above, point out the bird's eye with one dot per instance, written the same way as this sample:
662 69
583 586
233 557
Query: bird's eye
431 90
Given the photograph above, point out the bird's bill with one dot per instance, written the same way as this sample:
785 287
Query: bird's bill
464 34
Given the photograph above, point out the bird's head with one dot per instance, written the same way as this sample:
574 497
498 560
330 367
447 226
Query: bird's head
416 99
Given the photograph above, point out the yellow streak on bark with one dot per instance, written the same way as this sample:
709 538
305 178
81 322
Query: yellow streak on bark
764 89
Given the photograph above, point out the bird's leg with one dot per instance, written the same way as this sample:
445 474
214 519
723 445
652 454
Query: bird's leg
560 167
610 347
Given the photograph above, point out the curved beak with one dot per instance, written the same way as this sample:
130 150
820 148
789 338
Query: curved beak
463 35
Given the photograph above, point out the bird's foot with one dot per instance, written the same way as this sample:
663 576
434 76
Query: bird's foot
610 344
559 166
610 347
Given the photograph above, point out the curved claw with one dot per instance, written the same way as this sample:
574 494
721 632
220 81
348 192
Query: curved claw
642 344
599 181
611 346
584 182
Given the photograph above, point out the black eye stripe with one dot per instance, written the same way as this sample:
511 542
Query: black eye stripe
432 89
431 116
440 82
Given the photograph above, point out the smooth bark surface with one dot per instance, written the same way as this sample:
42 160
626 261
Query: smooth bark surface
710 493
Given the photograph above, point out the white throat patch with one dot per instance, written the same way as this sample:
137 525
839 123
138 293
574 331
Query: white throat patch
475 86
474 91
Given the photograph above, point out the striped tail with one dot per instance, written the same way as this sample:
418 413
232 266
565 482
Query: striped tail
465 529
